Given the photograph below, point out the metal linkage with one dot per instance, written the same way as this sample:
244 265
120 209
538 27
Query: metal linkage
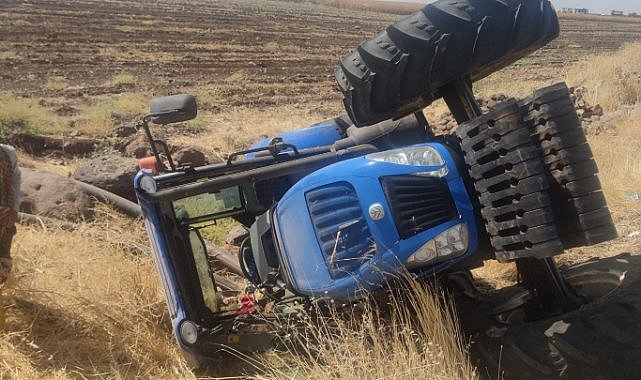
551 295
460 100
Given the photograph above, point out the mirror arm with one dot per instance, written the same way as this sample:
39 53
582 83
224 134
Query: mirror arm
144 124
166 148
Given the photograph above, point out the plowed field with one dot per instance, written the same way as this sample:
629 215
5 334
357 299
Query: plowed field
250 53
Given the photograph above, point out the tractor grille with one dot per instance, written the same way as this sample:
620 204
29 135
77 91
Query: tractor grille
418 203
340 226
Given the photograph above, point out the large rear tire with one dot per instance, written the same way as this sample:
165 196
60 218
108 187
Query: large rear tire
400 70
600 340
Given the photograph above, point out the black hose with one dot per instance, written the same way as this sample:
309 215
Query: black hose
128 207
365 135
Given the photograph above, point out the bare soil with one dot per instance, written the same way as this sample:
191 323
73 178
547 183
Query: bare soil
248 53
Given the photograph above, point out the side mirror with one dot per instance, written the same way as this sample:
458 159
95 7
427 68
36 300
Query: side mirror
172 109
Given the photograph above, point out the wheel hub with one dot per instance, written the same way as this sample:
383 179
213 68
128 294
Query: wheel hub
586 285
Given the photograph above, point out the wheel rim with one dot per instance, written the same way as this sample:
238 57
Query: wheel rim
595 283
589 282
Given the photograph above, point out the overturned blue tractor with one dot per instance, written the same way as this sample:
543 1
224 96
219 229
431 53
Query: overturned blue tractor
340 209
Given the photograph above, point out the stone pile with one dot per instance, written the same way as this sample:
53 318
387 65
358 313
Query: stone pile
447 124
593 120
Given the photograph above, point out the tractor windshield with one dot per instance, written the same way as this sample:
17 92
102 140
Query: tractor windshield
219 204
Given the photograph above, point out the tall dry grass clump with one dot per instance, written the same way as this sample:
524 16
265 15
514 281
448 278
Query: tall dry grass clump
618 155
418 337
613 80
82 304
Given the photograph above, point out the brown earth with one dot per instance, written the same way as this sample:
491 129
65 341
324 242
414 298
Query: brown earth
242 46
245 53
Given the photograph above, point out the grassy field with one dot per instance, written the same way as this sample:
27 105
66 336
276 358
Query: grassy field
83 304
56 80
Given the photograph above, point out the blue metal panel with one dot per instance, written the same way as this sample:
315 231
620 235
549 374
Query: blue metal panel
305 258
163 265
322 134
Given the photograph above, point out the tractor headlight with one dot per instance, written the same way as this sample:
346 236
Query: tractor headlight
450 243
414 156
188 332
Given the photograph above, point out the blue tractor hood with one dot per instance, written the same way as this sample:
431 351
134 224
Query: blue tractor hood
331 244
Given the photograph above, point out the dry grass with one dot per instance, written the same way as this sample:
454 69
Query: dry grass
95 118
238 128
619 158
612 80
593 17
419 338
237 76
56 84
123 80
80 305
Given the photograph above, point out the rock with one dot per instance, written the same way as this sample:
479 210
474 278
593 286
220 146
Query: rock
597 110
190 155
47 194
112 173
124 131
633 197
236 235
481 100
588 128
495 100
605 124
136 145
